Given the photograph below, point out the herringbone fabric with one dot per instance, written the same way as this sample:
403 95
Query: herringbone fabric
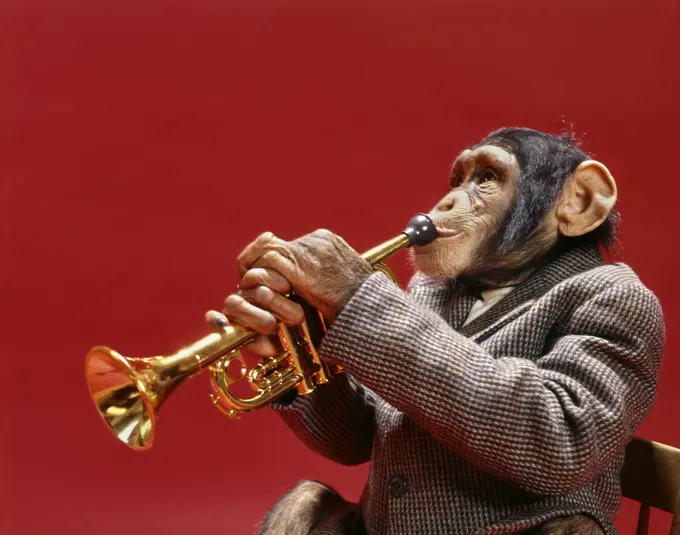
519 417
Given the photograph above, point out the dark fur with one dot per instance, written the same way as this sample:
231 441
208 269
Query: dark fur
546 161
310 507
569 525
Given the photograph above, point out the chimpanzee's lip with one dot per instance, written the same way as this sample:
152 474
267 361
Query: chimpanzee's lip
446 232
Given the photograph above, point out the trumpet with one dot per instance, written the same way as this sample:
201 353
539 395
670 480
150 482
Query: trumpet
128 391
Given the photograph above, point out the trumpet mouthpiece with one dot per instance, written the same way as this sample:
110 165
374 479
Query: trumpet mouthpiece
421 230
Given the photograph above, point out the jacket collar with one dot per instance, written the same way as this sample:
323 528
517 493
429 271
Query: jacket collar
453 300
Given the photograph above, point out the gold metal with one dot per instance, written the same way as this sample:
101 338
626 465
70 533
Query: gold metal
386 249
128 392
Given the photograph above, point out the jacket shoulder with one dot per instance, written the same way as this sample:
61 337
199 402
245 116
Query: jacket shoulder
616 276
611 292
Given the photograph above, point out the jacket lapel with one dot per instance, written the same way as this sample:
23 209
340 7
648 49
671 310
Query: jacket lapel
513 305
460 305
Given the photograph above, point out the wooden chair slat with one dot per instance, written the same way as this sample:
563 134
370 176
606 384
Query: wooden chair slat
651 476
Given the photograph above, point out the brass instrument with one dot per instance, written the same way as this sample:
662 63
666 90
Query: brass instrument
129 391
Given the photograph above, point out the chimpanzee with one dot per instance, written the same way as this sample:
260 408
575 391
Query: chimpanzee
495 395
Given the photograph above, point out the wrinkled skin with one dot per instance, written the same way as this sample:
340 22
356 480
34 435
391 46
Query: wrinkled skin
483 185
320 267
483 188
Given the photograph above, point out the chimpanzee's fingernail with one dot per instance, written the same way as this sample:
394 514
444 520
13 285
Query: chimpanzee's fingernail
216 319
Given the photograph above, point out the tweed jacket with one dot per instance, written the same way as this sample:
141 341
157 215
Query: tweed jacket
517 418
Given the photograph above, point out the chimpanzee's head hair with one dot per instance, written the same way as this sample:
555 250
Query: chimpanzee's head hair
545 161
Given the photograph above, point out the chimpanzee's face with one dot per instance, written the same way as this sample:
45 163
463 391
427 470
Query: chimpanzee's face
483 185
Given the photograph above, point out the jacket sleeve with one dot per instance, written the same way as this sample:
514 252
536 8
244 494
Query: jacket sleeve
549 426
336 420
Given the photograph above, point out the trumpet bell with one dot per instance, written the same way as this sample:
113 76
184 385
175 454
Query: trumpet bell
121 397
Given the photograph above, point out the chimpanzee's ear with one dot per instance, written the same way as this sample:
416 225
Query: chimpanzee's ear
588 197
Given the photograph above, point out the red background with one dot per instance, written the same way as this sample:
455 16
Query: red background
143 144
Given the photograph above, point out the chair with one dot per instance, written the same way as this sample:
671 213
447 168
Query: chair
651 476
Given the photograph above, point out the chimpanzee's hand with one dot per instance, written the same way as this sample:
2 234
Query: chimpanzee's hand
320 267
259 305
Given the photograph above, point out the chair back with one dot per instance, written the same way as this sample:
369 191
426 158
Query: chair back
651 476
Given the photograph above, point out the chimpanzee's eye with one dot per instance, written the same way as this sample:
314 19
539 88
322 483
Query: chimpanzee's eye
486 176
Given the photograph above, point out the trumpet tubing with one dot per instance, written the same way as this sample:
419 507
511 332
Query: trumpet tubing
129 391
